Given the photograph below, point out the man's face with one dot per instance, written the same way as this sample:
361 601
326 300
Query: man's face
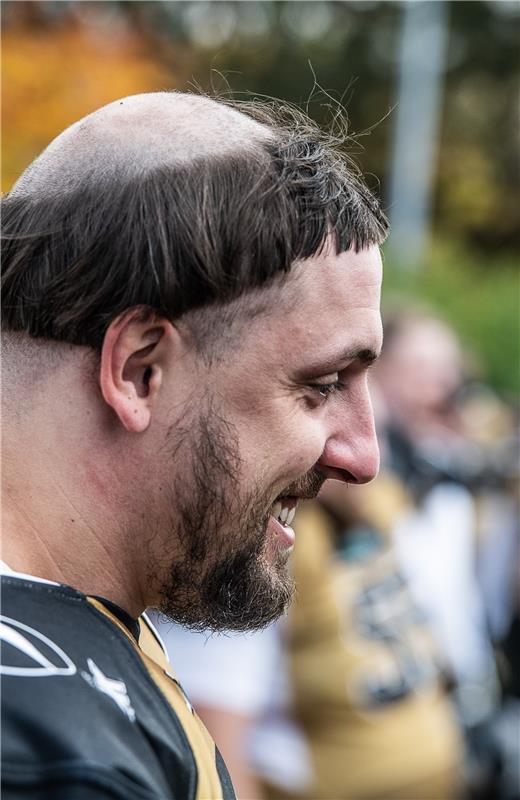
283 410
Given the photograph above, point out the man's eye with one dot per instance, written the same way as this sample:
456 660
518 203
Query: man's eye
326 389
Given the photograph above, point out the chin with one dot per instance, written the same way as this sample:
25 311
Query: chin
240 593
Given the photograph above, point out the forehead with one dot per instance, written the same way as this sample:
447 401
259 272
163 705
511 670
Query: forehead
329 303
346 280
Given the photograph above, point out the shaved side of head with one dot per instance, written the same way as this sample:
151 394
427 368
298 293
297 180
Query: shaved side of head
131 137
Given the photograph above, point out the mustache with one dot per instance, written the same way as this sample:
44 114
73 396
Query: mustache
306 487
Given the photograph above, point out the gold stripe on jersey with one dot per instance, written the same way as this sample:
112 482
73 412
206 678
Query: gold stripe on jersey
159 669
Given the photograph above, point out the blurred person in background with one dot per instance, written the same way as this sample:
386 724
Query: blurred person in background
452 442
417 381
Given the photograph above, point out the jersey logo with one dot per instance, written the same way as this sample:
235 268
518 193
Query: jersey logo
113 688
27 653
403 662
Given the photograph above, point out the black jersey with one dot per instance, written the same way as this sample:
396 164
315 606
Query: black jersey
88 711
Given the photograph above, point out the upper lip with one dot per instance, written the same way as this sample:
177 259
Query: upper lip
304 489
309 495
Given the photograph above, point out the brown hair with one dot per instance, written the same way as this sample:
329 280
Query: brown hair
181 237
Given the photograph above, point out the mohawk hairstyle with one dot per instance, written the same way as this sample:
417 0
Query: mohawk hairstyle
184 236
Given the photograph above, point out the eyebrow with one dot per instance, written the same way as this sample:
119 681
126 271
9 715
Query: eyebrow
333 363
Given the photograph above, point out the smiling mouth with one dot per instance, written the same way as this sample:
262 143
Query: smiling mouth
285 505
284 509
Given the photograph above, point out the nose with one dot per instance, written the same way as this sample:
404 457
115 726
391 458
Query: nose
351 452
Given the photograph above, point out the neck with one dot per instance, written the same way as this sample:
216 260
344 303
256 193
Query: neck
57 522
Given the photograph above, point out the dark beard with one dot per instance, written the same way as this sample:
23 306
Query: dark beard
224 579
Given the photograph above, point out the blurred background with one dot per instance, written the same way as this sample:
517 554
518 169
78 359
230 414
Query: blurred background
431 93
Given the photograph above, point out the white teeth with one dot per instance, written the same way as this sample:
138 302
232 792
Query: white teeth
282 513
283 516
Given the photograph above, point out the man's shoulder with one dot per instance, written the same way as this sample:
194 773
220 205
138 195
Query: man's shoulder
77 696
40 618
37 619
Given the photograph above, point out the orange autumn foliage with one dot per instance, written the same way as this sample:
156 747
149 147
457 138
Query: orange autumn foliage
54 76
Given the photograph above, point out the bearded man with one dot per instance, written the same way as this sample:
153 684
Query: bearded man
190 304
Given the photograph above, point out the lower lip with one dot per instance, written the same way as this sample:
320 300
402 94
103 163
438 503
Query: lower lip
284 533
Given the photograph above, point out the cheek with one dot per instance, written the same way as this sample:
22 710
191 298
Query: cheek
305 446
291 443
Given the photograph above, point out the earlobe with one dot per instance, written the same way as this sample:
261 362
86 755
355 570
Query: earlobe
132 363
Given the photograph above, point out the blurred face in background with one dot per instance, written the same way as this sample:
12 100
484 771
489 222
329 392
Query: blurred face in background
420 369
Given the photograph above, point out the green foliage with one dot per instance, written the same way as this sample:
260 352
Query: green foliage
478 295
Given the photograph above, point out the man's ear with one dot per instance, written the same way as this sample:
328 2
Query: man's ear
135 349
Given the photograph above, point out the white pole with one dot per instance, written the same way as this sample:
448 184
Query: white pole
421 68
